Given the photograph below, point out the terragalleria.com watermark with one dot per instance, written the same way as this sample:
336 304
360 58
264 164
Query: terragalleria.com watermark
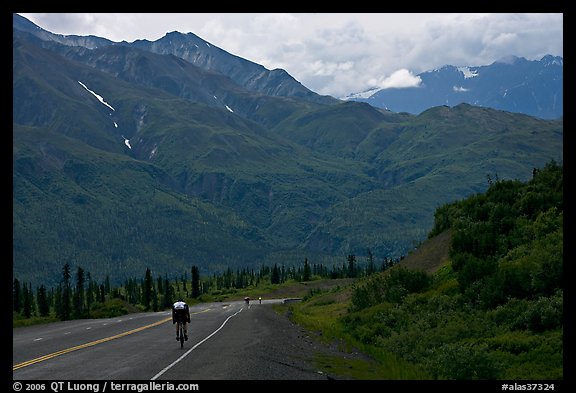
104 386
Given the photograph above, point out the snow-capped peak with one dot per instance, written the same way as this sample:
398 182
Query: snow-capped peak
362 94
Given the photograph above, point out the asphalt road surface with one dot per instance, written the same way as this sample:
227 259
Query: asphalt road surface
226 341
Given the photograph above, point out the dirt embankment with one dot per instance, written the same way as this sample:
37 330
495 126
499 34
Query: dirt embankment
432 254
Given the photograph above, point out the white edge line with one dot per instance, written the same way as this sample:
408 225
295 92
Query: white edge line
193 348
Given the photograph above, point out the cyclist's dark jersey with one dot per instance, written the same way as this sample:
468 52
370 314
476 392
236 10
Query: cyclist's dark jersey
180 312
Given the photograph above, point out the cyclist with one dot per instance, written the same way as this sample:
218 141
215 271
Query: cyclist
181 313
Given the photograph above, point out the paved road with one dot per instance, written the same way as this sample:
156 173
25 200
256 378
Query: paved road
227 341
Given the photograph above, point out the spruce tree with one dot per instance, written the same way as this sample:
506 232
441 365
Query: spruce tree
16 296
351 266
371 265
275 276
43 304
27 309
195 282
307 275
147 290
79 294
66 300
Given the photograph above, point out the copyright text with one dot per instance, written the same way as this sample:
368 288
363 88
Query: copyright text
103 386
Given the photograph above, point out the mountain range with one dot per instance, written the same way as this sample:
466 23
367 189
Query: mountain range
175 153
514 84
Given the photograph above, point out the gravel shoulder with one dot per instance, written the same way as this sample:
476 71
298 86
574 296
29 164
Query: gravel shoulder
285 350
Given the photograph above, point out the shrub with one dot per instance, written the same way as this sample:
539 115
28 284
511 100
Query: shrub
111 308
543 314
463 362
392 287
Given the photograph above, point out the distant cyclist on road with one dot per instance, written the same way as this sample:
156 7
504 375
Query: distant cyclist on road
181 313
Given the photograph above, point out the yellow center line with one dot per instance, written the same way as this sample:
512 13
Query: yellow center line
90 344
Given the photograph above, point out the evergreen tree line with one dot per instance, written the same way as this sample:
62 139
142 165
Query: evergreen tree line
79 296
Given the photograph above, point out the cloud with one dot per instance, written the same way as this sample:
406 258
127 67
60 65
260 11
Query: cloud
323 68
340 53
110 26
400 78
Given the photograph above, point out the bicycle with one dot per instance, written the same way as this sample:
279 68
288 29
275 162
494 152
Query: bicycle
181 333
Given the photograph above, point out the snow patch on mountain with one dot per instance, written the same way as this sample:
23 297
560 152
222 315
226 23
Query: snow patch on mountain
127 142
99 97
468 73
362 94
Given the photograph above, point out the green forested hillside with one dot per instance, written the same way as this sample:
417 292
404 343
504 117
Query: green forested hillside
494 310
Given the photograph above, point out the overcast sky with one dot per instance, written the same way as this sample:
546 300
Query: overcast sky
339 53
